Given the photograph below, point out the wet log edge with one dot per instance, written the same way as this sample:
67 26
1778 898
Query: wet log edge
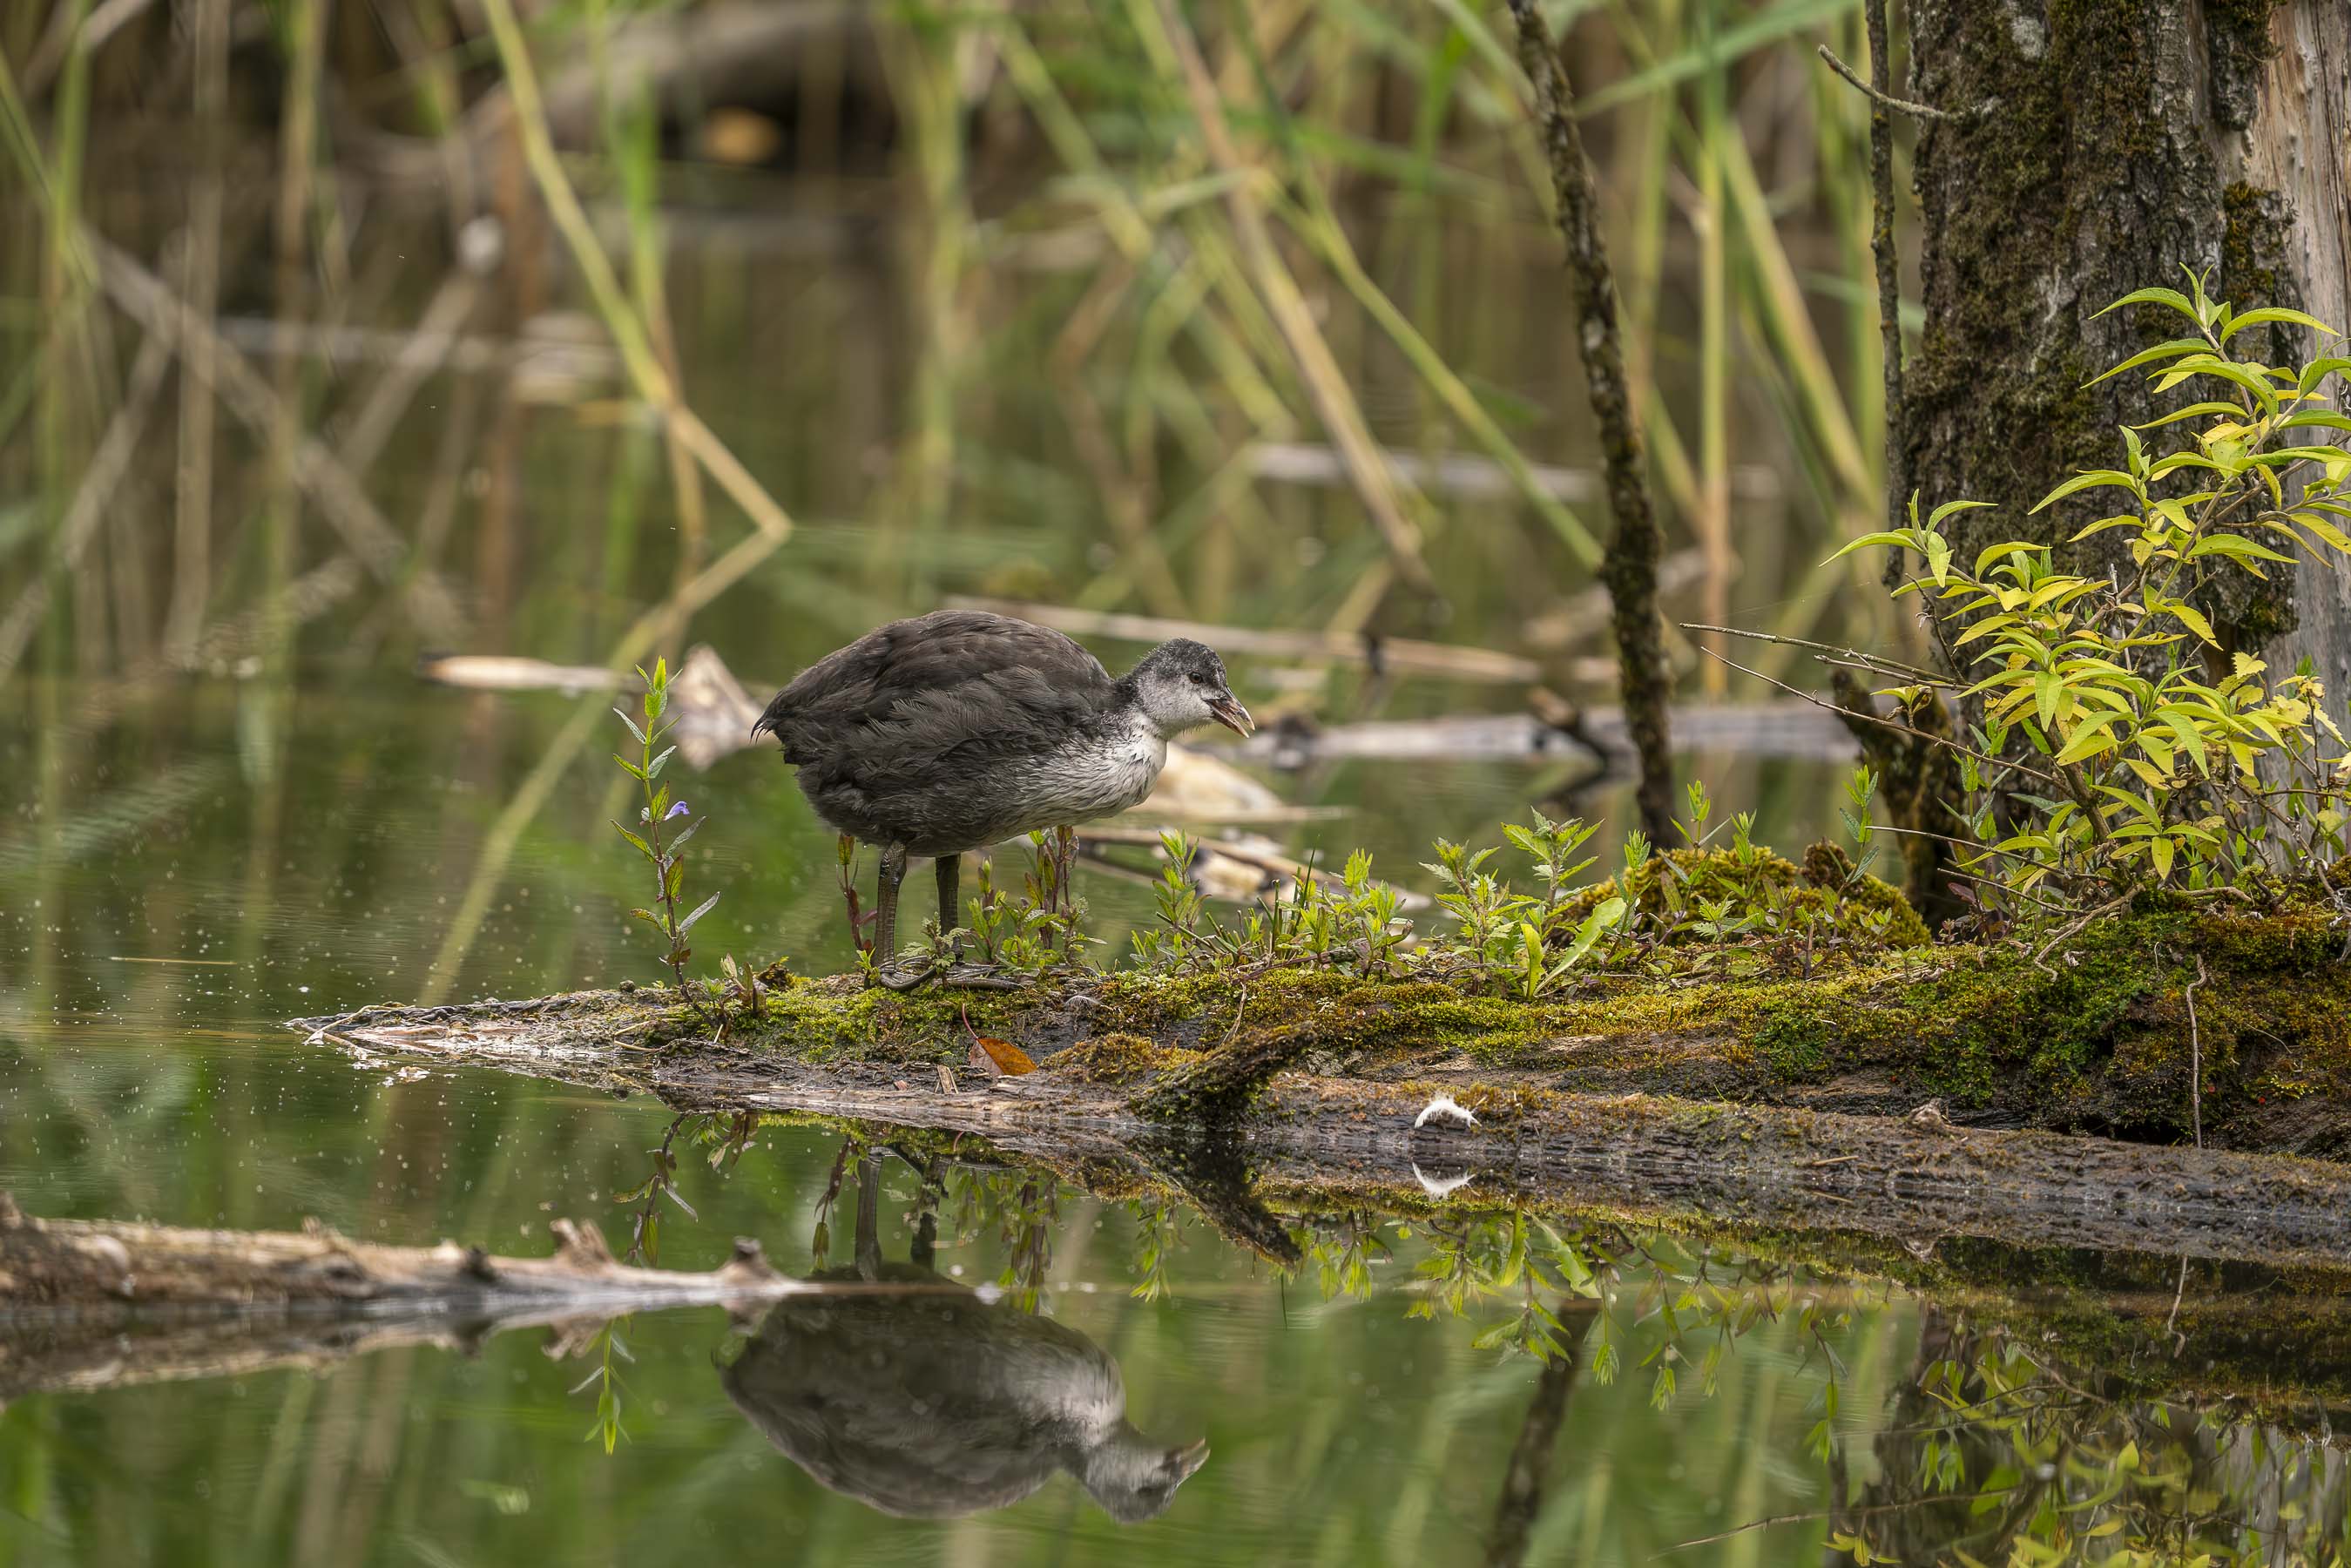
1649 1157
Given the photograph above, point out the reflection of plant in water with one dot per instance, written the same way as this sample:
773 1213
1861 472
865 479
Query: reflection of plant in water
1671 1298
1155 1239
644 1236
606 1381
1022 1207
821 1242
1479 1259
1997 1456
1343 1252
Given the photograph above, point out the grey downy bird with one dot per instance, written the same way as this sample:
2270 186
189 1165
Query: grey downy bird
960 728
927 1401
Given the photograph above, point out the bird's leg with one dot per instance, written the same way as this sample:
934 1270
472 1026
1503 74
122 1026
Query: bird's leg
869 1219
926 1221
857 918
1065 851
949 868
885 903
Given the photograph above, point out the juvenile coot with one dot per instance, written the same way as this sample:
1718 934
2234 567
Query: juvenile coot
961 729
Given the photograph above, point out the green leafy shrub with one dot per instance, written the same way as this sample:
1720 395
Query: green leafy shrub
2153 754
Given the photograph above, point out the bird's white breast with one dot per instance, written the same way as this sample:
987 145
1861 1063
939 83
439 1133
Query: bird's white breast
1079 783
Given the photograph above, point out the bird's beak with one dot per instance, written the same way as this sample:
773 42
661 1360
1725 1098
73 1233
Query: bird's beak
1192 1456
1230 714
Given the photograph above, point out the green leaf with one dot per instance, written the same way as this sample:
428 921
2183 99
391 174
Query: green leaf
2006 547
2176 347
2236 547
2170 297
643 848
2314 419
699 911
1898 541
2226 370
2090 739
624 718
2094 479
2046 689
2120 520
2195 411
2269 313
1935 519
2318 525
1938 558
652 768
2318 371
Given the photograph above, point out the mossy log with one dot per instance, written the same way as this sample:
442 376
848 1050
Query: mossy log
2100 1037
1620 1095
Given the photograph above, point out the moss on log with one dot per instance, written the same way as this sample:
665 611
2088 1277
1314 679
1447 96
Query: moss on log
1613 1095
2097 1039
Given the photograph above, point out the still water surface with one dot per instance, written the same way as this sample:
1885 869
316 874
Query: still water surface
167 905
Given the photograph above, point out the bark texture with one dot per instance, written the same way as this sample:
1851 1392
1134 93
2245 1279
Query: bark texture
2096 146
2296 165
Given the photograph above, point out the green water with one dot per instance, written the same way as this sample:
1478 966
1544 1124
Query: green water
297 825
168 901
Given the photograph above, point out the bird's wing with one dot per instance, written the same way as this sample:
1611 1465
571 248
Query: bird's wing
953 679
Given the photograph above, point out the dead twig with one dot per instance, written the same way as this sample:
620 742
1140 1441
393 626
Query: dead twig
2030 772
1875 664
1879 95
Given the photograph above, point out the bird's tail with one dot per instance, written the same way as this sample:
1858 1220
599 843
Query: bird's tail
772 722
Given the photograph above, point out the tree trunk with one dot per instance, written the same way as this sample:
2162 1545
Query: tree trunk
2095 146
2298 145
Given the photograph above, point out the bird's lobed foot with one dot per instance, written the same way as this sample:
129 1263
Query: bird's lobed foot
902 976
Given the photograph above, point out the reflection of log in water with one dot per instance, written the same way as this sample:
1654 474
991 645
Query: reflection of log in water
88 1304
928 1400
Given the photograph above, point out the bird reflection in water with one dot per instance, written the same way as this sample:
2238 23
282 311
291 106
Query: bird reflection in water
928 1400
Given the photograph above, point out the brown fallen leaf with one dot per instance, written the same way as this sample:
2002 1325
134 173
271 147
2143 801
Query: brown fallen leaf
998 1058
994 1058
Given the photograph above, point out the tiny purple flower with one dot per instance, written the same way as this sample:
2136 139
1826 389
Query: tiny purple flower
677 809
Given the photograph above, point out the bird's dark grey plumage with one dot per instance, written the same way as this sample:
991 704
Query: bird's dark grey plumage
961 729
924 1400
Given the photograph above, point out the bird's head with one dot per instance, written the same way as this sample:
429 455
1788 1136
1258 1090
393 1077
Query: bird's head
1180 685
1134 1478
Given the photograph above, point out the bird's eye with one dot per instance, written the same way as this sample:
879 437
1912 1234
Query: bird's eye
1198 679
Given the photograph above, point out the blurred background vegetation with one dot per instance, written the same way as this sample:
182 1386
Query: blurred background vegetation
303 377
885 304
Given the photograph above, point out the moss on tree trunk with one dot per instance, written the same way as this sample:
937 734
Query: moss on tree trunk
2095 146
